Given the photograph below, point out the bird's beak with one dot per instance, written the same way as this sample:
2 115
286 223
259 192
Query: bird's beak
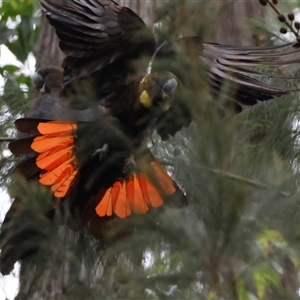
42 89
165 95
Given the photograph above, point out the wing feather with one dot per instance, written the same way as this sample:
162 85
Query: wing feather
98 30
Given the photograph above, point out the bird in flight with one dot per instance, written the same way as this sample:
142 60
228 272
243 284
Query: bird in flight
85 136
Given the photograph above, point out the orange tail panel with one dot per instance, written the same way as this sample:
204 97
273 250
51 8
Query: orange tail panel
56 161
136 194
57 167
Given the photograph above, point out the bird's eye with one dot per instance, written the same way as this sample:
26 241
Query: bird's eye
170 86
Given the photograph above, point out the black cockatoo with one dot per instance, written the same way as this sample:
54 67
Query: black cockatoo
85 132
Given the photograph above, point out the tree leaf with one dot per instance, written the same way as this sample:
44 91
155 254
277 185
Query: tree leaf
263 276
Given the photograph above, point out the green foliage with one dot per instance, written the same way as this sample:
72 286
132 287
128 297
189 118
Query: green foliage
18 32
19 29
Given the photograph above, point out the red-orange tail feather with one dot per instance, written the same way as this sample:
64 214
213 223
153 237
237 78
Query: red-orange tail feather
54 146
56 165
136 194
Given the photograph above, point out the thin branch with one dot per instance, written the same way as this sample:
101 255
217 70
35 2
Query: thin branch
6 139
244 180
282 18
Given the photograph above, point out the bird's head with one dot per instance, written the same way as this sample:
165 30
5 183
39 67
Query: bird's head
157 90
48 79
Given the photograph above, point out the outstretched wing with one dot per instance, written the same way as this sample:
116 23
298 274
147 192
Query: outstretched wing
96 33
252 73
250 69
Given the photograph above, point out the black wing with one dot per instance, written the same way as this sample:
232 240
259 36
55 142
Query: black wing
97 33
253 73
244 67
